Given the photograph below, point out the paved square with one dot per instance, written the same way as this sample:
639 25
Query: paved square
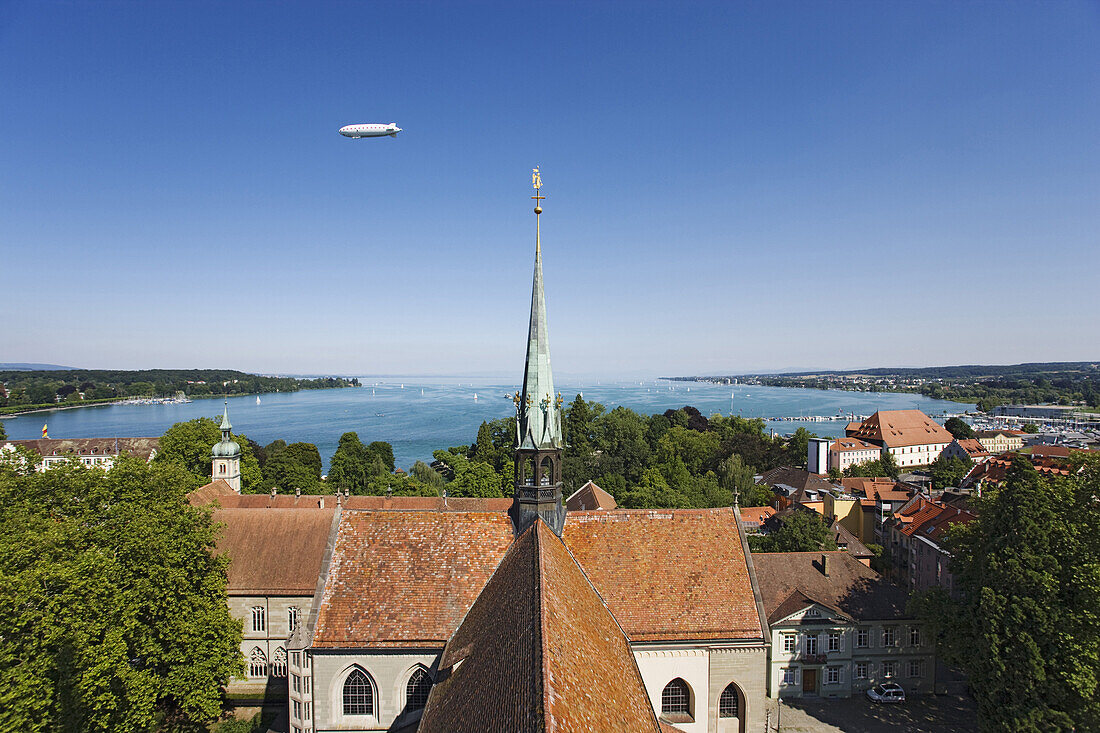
929 714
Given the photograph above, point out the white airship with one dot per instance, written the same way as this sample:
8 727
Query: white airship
370 130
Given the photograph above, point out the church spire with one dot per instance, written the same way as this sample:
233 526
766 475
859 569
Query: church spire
538 412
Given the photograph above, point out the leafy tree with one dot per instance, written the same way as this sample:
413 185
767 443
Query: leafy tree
116 616
473 478
384 452
880 560
802 532
3 433
427 475
948 472
297 466
738 478
1026 623
1030 428
798 446
698 450
189 444
958 428
351 466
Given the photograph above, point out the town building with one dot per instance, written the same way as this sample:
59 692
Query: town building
837 628
845 452
910 436
590 497
91 452
967 449
916 533
999 441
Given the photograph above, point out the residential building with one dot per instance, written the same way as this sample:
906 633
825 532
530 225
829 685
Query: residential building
916 533
879 499
910 436
92 452
999 441
797 486
837 627
967 449
753 518
845 452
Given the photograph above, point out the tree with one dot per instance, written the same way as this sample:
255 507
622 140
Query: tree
3 433
116 616
384 452
958 428
949 472
803 531
798 446
351 465
188 445
737 478
1026 623
1030 428
297 466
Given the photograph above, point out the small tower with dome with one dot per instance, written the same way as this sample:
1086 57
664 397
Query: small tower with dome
227 455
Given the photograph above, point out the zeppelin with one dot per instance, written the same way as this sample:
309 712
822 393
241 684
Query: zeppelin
370 130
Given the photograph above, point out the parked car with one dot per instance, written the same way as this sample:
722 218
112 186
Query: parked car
886 692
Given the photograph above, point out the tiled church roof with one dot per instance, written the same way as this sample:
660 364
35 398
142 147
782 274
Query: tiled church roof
538 651
274 551
406 579
668 574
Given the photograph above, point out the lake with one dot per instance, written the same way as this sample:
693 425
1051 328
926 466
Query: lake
420 414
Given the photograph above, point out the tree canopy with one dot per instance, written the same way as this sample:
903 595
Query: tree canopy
958 428
1025 623
115 609
803 531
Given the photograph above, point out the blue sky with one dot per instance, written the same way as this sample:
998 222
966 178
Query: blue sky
731 186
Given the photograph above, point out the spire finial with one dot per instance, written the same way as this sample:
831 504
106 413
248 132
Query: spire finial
536 183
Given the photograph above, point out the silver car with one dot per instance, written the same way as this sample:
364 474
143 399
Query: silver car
886 692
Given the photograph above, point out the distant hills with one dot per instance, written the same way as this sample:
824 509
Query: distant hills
966 371
18 366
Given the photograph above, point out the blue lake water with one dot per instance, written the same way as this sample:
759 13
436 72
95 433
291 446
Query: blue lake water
420 414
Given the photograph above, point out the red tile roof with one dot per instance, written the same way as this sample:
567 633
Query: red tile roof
217 490
143 448
790 581
538 651
589 497
275 551
668 575
894 428
973 447
756 514
231 499
406 578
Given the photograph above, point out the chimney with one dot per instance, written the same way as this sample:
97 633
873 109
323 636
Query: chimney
339 499
273 490
321 503
297 492
825 565
347 491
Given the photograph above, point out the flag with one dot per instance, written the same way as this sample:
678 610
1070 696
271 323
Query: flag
45 434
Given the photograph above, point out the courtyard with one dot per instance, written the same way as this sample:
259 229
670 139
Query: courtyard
929 714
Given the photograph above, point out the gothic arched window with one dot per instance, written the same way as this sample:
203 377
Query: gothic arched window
728 704
676 698
417 689
257 663
358 694
278 663
292 615
546 468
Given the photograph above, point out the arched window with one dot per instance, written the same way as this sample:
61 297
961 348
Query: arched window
728 703
292 615
417 689
278 663
547 470
257 663
221 468
358 694
676 698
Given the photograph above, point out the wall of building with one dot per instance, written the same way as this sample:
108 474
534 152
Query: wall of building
708 670
875 655
389 673
917 455
269 640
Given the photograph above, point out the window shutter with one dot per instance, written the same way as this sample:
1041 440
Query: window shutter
842 635
840 676
798 675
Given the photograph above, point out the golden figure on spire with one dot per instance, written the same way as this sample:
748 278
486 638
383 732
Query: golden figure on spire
536 180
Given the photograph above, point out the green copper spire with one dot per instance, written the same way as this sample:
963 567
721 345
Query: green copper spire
539 408
227 448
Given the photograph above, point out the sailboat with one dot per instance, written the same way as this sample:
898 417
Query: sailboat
257 399
475 396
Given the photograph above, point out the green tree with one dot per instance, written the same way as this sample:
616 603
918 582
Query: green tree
802 532
738 478
3 433
949 472
798 446
958 428
297 466
384 452
189 444
115 603
351 466
1026 623
1030 428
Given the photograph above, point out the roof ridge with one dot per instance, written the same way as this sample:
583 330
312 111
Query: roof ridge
540 664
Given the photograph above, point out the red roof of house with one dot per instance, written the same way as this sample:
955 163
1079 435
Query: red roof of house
973 447
274 551
894 428
756 514
588 497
